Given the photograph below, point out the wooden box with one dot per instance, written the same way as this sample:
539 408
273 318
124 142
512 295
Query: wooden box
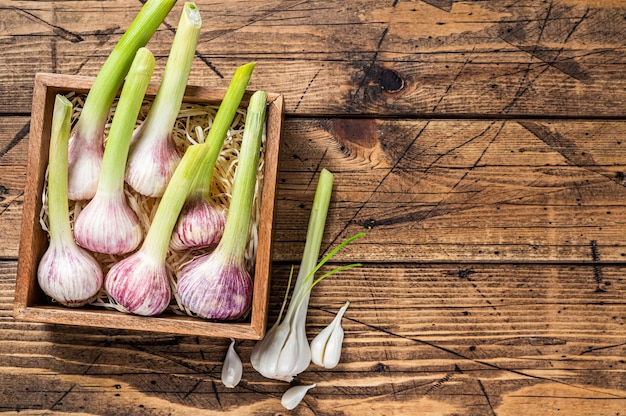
31 304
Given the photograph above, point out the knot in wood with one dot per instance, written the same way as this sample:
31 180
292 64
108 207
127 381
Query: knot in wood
391 81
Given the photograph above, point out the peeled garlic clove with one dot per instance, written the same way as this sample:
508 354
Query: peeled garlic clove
232 368
292 397
326 346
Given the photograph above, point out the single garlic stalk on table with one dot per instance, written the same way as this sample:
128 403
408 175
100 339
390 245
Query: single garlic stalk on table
153 155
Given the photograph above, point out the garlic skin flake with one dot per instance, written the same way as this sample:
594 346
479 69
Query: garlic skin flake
292 397
232 368
326 346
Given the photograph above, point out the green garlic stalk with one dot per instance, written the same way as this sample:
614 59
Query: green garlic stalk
153 155
201 222
284 352
107 224
218 285
86 145
140 282
66 272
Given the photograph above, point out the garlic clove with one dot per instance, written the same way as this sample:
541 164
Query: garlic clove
326 346
295 356
85 161
232 369
293 396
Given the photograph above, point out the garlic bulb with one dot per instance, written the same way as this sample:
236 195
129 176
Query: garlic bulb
153 157
326 346
140 283
284 351
216 286
232 368
292 397
108 225
66 272
200 225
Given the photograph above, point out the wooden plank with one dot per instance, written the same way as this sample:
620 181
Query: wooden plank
463 190
435 190
472 340
500 58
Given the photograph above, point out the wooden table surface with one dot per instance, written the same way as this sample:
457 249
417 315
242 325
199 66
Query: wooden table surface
480 144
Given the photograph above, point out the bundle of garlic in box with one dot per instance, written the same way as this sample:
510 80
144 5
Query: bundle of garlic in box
145 204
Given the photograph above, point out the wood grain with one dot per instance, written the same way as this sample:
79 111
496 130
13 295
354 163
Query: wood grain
443 190
502 58
471 340
481 145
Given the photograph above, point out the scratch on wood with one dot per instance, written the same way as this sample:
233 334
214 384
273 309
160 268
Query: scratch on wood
564 146
445 5
370 223
547 56
437 209
21 134
369 69
250 22
601 286
592 349
476 361
91 364
216 393
439 383
456 77
62 397
192 389
58 30
482 388
306 89
6 206
317 169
